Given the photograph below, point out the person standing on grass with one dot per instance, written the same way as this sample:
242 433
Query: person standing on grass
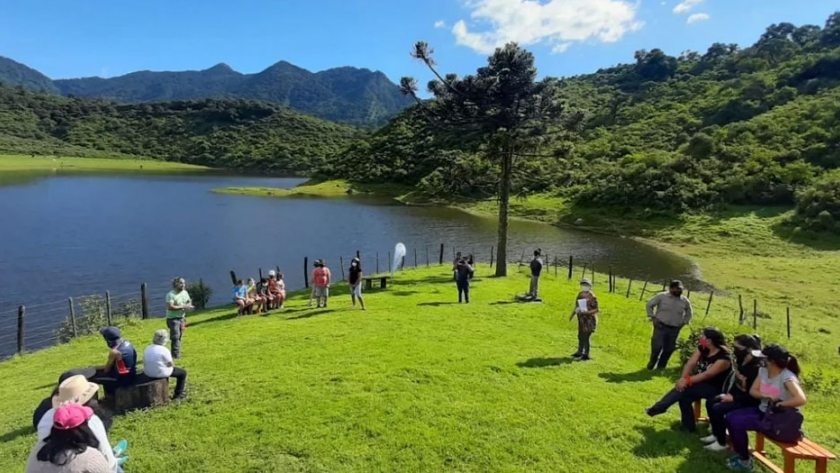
322 278
536 269
736 390
587 319
355 281
703 377
158 364
673 312
463 274
178 302
778 390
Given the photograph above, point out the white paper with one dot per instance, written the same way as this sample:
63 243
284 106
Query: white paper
583 305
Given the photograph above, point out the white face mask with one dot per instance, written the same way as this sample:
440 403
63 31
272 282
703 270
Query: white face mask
585 287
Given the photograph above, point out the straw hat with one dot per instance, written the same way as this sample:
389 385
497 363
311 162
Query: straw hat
75 389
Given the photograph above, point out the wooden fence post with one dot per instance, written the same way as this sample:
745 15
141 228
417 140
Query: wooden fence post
492 255
711 296
358 255
611 280
144 301
306 272
556 264
644 288
377 262
232 277
441 253
427 256
20 334
629 283
108 307
415 257
788 322
73 317
571 261
741 309
593 274
341 262
261 276
755 314
583 273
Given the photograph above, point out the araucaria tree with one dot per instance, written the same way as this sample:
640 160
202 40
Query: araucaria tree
503 105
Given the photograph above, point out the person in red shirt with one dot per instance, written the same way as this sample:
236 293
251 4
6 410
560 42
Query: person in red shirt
321 279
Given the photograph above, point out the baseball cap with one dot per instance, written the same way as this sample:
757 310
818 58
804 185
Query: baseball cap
110 333
70 416
676 284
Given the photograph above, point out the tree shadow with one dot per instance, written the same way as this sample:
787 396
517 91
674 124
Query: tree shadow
670 443
403 293
435 304
815 241
13 435
545 362
314 313
640 376
218 318
504 302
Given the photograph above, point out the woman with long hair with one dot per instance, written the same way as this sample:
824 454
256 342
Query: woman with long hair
355 281
736 390
71 446
780 396
702 377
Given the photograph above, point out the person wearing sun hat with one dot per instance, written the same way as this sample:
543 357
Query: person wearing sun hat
71 446
78 390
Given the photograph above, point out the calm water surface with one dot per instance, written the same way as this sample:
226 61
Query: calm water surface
74 235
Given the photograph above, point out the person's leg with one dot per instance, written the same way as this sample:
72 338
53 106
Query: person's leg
175 336
579 351
536 286
531 289
180 376
460 286
88 373
587 337
669 399
657 342
467 291
717 419
669 346
690 394
739 423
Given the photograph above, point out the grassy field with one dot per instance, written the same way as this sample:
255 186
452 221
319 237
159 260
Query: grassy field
416 383
317 188
64 164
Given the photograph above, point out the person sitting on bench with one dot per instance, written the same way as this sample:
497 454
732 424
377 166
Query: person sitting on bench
240 298
119 370
157 363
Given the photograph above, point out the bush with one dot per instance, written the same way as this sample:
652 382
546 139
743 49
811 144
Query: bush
688 346
200 294
818 205
92 315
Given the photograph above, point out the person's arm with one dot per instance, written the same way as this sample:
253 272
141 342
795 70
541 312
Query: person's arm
329 277
689 312
113 357
167 359
691 364
594 310
170 302
798 395
653 302
755 390
717 368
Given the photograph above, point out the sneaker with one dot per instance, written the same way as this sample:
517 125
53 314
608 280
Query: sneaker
121 460
180 397
585 358
716 447
735 463
577 355
709 439
120 448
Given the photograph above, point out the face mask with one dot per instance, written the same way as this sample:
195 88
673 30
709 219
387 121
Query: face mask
585 287
740 355
704 342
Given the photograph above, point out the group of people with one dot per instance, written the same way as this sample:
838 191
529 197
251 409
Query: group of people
254 298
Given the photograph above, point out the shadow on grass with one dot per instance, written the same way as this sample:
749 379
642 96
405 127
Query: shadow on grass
13 435
435 304
403 293
218 318
545 362
314 313
671 443
815 241
640 376
504 302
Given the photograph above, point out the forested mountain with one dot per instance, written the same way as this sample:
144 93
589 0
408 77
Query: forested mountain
346 94
15 73
221 133
731 125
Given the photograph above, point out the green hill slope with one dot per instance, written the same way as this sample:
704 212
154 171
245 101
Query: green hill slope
416 383
14 73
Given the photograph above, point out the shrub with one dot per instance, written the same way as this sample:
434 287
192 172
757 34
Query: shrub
688 346
92 315
818 205
200 293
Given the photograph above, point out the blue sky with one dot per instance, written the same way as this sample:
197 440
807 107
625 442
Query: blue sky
107 38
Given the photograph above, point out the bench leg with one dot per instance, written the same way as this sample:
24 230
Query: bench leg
790 463
759 443
383 283
822 465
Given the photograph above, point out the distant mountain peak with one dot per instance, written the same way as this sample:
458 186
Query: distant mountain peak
222 66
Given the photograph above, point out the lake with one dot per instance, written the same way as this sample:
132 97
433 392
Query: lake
73 235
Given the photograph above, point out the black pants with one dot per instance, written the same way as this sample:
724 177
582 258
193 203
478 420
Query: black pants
717 416
583 342
106 380
180 376
463 291
686 399
662 345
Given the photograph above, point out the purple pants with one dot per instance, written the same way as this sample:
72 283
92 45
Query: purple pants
739 423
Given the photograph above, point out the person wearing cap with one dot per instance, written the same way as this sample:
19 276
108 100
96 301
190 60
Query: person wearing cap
463 273
71 446
672 312
355 281
778 390
321 279
277 288
76 390
240 297
536 270
178 302
158 364
703 377
121 367
736 390
587 319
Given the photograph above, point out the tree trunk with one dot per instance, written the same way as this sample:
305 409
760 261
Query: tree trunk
504 210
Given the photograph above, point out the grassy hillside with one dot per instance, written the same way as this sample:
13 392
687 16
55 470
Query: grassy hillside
415 383
64 164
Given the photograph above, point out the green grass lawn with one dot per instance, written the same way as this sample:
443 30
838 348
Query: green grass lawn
65 164
416 383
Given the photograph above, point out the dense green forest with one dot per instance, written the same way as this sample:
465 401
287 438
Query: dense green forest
221 133
759 125
345 94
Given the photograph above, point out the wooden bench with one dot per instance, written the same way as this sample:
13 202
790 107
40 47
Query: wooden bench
149 393
698 412
383 281
805 449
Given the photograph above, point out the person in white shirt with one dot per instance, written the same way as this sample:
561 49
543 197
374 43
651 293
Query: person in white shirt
157 363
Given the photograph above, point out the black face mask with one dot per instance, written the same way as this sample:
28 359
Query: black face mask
740 355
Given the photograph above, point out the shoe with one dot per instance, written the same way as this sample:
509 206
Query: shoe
180 397
709 439
716 447
577 355
735 463
649 412
585 358
121 460
120 448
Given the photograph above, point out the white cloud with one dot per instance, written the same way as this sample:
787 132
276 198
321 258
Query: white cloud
440 24
686 6
697 17
530 22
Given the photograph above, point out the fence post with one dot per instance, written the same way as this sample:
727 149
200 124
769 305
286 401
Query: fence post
341 261
711 296
593 274
108 307
306 272
427 256
629 283
570 266
611 280
492 255
358 255
415 256
755 314
556 264
788 322
583 274
644 288
261 276
73 317
232 277
441 253
20 334
144 301
688 296
741 308
377 262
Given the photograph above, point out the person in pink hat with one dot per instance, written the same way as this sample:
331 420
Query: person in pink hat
71 446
